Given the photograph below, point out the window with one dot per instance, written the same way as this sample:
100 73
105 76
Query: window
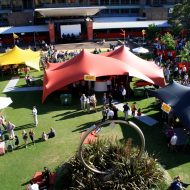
124 11
105 2
125 2
135 2
114 2
5 4
94 2
27 4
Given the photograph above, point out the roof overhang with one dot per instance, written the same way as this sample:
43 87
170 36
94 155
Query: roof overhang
23 29
126 22
69 11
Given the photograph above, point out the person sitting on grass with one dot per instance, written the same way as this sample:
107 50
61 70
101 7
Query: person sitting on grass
44 136
177 184
51 134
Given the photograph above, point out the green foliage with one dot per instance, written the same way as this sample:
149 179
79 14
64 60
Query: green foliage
125 171
152 32
169 41
181 15
185 53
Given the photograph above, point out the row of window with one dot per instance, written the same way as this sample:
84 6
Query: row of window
29 4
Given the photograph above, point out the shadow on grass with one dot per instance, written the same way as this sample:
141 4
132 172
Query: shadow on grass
156 145
26 126
83 127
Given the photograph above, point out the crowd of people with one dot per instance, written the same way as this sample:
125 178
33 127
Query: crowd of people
7 133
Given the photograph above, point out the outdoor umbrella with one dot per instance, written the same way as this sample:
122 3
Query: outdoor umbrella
140 50
5 102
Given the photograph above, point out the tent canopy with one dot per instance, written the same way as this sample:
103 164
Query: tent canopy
148 68
85 63
20 56
177 96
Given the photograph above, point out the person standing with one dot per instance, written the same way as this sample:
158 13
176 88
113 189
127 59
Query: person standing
104 99
126 109
123 92
35 115
31 135
110 99
88 104
25 138
83 102
133 109
10 129
104 113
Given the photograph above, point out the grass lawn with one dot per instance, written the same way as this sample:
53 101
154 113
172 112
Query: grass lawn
17 168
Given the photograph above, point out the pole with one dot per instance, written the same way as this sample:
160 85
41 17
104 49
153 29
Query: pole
34 41
124 37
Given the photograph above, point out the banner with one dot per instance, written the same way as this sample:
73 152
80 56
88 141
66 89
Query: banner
166 108
89 78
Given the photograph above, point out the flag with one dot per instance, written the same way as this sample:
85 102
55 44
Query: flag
123 32
143 32
15 36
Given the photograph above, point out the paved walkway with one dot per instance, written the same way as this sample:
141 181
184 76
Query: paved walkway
12 83
143 118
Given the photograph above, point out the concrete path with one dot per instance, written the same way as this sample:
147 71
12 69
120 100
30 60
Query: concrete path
11 84
143 118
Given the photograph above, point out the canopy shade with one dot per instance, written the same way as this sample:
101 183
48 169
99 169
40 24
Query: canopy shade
177 96
5 102
147 68
20 56
85 63
140 50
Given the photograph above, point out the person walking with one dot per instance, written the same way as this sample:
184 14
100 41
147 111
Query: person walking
88 104
31 135
126 109
35 115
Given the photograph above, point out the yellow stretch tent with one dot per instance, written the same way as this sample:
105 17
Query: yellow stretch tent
20 56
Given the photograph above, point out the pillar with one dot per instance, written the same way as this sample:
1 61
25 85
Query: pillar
89 28
51 27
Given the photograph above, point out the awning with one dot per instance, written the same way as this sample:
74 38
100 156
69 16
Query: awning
126 22
69 11
23 29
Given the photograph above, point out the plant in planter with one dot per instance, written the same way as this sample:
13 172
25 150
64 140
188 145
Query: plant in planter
118 158
169 41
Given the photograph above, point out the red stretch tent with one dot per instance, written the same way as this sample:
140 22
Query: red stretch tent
148 68
85 63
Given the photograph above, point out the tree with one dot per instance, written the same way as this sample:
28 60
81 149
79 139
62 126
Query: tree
185 53
152 32
169 41
181 16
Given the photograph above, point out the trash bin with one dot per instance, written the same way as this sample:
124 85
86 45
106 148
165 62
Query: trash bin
139 92
65 99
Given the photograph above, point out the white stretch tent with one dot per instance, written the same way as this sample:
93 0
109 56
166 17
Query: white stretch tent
140 50
71 29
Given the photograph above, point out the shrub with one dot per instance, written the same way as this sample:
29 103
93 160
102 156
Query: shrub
125 171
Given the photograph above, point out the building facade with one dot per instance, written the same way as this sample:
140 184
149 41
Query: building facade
92 15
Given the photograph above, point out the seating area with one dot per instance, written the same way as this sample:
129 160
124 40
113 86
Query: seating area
38 178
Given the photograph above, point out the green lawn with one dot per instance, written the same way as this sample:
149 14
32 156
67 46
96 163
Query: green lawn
17 168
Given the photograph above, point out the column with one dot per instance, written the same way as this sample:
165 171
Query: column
51 27
89 28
